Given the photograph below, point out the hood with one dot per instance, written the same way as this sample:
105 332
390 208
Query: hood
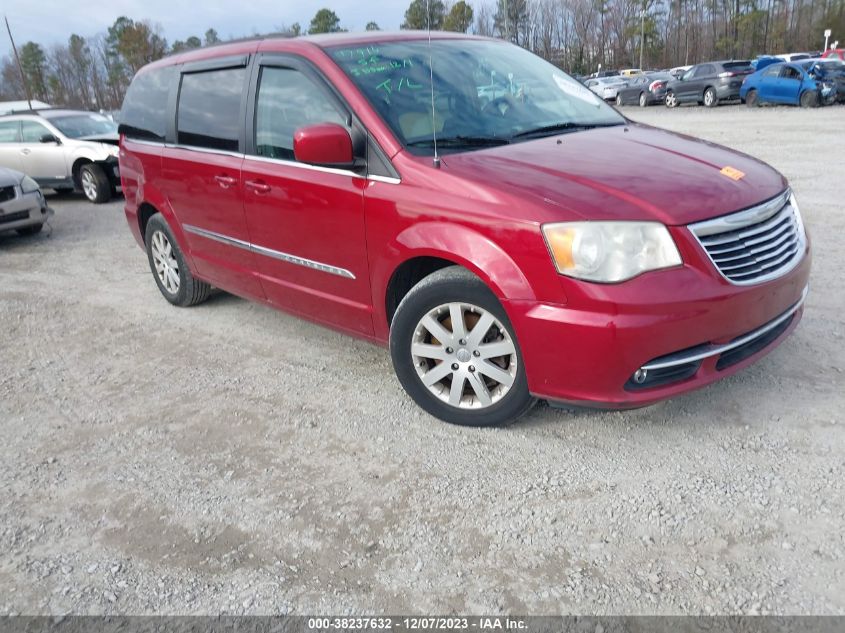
109 139
632 172
9 177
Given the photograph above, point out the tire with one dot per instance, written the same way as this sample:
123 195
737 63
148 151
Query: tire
671 100
95 184
643 100
485 397
170 271
751 99
30 230
618 101
710 99
809 99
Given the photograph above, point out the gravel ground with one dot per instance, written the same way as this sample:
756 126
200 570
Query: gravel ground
233 459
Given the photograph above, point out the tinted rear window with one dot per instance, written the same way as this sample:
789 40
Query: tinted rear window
209 109
737 66
144 113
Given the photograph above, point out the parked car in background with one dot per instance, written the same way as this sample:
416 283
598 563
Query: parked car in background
606 87
22 205
788 84
830 70
709 83
644 90
793 57
11 106
63 150
539 247
604 73
837 53
630 72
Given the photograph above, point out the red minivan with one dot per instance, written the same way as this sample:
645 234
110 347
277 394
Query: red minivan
507 234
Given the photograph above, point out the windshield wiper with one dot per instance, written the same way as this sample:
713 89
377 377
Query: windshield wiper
461 141
561 127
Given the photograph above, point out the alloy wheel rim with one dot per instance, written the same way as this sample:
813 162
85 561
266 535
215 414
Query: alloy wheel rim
642 100
164 260
88 185
464 355
708 98
670 99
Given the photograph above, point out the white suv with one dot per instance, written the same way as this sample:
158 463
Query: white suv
63 150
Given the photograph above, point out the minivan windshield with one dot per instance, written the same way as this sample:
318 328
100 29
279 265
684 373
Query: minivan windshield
82 125
485 93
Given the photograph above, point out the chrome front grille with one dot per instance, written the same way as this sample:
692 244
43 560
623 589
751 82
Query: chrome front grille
756 244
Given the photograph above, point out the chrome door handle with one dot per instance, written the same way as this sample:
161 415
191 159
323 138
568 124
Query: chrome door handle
259 186
26 151
226 181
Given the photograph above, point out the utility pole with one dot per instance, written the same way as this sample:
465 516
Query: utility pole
20 68
642 34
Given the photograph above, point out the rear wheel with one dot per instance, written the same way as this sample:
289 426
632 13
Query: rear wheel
671 100
618 100
751 99
170 271
809 99
95 184
710 98
643 100
455 352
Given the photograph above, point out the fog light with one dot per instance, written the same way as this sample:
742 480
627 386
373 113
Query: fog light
640 375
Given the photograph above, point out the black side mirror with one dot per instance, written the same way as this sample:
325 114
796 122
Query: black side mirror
50 138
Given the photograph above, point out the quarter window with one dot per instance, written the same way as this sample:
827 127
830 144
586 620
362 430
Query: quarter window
9 132
288 100
32 131
209 109
144 113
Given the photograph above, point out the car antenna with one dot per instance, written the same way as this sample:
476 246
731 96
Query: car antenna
431 76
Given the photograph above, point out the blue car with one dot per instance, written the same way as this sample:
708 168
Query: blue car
788 84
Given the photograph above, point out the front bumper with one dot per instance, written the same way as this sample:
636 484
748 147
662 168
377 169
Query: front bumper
25 209
588 351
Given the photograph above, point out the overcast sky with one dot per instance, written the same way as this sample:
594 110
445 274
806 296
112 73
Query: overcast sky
52 21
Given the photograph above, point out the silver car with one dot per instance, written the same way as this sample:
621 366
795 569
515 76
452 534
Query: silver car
63 150
22 205
606 87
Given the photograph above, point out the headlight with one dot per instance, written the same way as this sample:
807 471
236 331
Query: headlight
610 252
794 204
28 185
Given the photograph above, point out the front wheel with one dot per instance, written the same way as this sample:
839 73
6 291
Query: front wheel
618 100
809 99
671 100
95 184
30 230
455 352
710 98
643 100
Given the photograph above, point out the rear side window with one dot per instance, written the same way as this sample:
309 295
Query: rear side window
287 100
209 112
144 113
9 132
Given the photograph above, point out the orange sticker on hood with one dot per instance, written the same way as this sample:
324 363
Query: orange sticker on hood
732 172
